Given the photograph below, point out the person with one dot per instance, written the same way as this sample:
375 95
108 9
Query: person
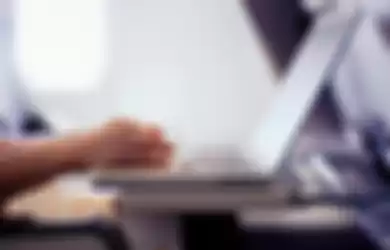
119 143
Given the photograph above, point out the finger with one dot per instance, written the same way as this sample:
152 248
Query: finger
129 148
153 153
149 133
154 132
142 140
146 154
162 151
163 154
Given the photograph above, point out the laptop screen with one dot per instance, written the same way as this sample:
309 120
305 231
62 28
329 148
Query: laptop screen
317 59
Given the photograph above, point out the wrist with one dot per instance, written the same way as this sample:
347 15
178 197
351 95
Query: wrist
69 153
82 149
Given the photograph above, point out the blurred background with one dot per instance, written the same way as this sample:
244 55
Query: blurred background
204 70
172 62
207 71
210 73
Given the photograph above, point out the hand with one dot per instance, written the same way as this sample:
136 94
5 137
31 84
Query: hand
124 143
119 143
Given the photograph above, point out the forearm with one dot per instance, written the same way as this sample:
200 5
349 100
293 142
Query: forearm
27 163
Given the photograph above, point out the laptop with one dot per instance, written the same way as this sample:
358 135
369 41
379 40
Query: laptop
240 173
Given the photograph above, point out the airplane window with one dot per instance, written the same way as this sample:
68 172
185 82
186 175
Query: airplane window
60 44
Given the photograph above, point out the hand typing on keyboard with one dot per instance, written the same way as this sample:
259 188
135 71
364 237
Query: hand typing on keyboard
130 143
121 142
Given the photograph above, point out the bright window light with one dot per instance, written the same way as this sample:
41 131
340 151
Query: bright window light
60 44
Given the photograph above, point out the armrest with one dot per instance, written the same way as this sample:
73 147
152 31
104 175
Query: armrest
107 233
